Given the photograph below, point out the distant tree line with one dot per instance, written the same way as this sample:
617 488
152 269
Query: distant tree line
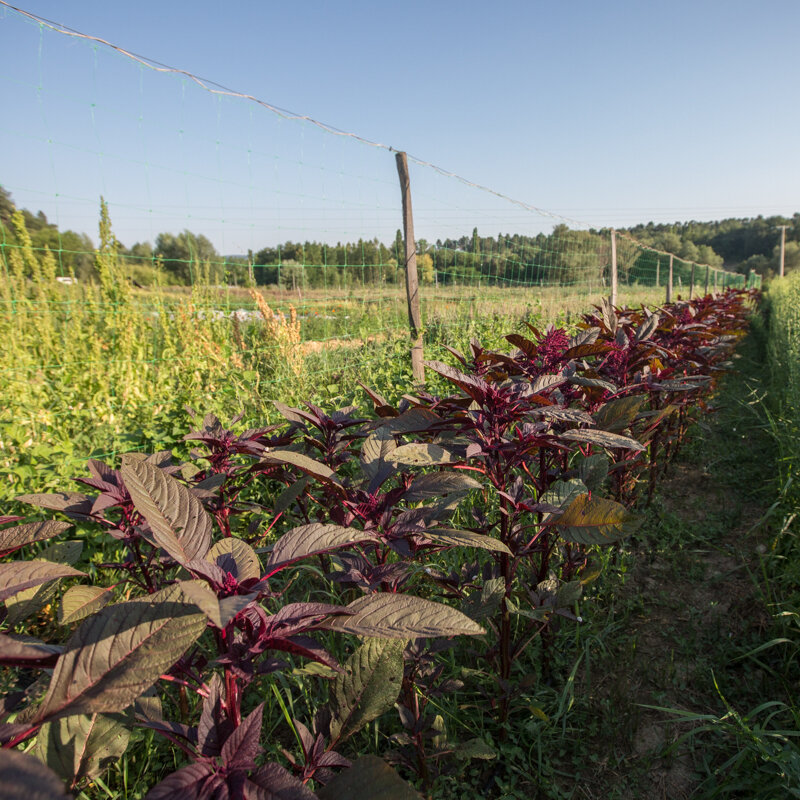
564 256
739 244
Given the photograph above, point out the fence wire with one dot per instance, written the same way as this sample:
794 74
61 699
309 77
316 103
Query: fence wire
243 254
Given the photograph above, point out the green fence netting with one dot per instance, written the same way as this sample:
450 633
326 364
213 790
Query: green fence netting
240 255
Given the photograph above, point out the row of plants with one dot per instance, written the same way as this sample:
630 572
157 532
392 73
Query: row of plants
452 529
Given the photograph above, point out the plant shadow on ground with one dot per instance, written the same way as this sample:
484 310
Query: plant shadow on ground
685 609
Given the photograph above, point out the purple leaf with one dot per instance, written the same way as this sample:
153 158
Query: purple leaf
15 651
118 653
309 540
23 777
177 519
72 504
18 575
214 726
12 539
242 746
308 465
273 782
184 784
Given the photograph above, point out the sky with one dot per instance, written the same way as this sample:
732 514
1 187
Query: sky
607 114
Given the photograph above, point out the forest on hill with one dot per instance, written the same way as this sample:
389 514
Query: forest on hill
561 256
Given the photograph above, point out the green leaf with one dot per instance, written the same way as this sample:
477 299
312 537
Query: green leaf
82 746
290 494
178 521
458 538
62 552
486 602
12 539
23 777
118 653
474 748
402 616
595 521
435 484
15 576
569 593
79 602
28 602
368 686
370 778
235 556
618 414
603 438
309 540
418 454
593 470
562 493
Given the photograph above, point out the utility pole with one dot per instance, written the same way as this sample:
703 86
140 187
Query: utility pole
782 229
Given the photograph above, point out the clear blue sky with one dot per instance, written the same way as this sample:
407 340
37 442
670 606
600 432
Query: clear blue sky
610 113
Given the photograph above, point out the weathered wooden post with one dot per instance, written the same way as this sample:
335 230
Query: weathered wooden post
715 281
708 271
412 281
613 297
691 284
658 266
669 281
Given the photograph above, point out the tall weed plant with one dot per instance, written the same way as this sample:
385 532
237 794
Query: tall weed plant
85 362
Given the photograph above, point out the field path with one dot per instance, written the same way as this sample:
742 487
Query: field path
689 606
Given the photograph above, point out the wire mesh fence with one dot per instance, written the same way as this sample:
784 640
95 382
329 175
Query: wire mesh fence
243 254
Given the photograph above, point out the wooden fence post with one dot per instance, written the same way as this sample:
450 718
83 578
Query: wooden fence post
412 281
669 281
658 266
613 297
691 284
708 271
715 281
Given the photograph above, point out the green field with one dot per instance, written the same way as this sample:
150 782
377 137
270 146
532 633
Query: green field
94 369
